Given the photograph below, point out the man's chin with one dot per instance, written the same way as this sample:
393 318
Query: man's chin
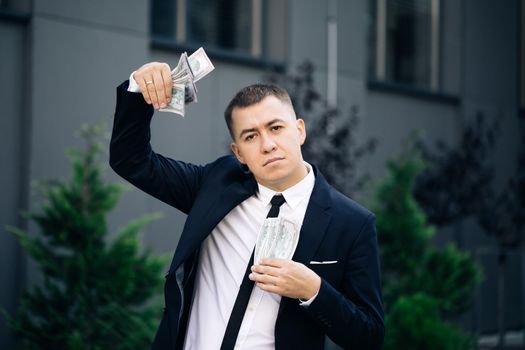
276 182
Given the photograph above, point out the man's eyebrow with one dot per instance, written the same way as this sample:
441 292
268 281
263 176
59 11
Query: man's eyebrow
245 131
276 120
273 121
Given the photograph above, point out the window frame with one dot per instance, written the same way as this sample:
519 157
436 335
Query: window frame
377 79
18 12
258 56
521 57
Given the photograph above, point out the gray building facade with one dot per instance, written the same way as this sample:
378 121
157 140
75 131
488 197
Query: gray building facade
60 62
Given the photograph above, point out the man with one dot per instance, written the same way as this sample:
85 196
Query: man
330 287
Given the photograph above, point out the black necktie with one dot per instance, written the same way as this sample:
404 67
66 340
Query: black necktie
234 324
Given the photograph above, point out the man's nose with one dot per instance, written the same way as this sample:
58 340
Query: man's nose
267 143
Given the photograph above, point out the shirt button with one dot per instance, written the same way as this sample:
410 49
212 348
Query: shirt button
237 345
250 309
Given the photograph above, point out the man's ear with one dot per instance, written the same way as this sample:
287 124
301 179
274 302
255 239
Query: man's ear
237 152
301 128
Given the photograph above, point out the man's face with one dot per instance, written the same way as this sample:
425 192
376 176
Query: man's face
268 139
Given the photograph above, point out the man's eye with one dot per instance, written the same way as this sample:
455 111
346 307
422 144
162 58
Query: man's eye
276 127
249 137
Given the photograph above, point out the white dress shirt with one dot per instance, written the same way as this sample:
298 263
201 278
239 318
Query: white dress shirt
223 259
133 86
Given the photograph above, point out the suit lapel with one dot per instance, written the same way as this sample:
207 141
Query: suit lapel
312 232
212 211
315 221
315 224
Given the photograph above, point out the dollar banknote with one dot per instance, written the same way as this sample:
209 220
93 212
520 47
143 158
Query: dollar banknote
187 72
277 238
200 64
177 104
188 80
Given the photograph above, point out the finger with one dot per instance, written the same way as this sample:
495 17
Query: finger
274 262
158 81
144 89
160 85
265 279
152 92
141 81
270 288
267 270
168 81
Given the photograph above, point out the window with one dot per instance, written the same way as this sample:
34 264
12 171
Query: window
404 43
232 26
522 55
16 6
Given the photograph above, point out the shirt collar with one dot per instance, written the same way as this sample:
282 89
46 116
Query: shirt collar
293 195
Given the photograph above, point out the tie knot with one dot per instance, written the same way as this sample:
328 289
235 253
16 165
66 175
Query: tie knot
276 202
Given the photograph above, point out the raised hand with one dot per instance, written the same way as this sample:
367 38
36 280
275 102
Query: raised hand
155 82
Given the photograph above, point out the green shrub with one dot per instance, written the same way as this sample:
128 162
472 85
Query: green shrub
94 294
414 322
423 287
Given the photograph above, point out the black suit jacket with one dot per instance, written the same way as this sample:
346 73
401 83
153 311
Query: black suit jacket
348 308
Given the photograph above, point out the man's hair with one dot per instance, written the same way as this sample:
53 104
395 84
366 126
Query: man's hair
251 95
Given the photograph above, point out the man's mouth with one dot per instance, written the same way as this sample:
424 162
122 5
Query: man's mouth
271 160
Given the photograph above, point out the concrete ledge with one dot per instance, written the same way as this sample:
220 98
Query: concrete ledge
512 340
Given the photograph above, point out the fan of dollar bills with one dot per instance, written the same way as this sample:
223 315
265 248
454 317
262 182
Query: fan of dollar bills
189 70
277 238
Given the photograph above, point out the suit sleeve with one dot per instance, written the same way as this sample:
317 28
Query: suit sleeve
353 315
131 156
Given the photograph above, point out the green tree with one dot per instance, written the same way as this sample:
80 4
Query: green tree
461 183
423 287
95 294
414 322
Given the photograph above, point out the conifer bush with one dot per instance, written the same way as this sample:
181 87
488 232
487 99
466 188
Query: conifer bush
96 292
424 288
